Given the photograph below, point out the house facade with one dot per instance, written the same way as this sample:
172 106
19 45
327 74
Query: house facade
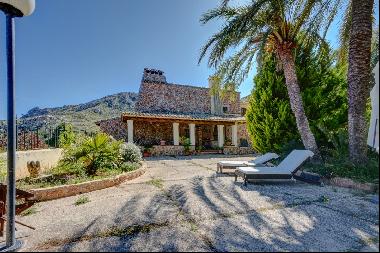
166 113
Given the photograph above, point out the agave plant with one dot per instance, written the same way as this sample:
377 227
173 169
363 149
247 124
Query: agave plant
277 26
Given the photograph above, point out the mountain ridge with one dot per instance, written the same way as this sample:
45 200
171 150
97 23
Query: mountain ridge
82 116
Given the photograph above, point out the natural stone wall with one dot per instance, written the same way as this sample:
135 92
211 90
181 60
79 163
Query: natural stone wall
50 193
156 95
167 150
243 134
48 158
150 133
232 103
237 150
114 127
161 97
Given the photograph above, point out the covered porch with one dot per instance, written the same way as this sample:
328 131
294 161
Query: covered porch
204 132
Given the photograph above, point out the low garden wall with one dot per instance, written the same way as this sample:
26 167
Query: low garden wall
167 150
48 158
237 150
56 192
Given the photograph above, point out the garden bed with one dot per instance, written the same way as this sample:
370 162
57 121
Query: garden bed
62 191
349 183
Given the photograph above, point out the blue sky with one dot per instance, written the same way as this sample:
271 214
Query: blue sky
72 51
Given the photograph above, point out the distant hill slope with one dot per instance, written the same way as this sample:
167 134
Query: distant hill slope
82 116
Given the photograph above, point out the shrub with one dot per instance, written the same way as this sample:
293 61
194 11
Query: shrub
66 136
186 143
340 166
270 121
128 166
70 168
98 152
130 153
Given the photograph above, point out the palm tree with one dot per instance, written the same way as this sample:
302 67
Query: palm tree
356 38
359 72
278 26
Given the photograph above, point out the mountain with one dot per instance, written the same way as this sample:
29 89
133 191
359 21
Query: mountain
82 116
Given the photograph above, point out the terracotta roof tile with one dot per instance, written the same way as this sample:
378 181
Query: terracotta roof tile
194 116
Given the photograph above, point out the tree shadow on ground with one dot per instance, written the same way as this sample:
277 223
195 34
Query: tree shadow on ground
217 214
293 222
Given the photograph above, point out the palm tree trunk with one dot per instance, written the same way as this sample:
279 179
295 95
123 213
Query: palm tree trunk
359 57
296 103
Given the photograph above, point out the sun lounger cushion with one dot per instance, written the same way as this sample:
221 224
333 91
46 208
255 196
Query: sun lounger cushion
258 160
288 166
262 170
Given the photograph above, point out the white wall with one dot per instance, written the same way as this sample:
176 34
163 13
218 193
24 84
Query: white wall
48 158
373 133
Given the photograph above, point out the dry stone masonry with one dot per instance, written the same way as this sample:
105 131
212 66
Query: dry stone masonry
182 106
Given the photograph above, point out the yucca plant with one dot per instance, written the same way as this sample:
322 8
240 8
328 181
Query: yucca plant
278 26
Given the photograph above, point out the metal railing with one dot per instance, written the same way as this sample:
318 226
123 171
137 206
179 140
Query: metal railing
36 138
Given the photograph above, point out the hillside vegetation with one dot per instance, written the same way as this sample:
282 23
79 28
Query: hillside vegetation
81 116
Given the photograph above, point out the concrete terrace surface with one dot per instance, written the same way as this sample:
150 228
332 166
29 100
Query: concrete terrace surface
181 204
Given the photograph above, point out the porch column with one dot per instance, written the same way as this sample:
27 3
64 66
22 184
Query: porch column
220 136
130 130
234 135
192 134
176 134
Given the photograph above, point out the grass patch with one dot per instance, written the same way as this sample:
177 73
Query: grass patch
157 182
30 211
193 226
113 231
82 200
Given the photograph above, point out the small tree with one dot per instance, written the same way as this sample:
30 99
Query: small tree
270 121
66 136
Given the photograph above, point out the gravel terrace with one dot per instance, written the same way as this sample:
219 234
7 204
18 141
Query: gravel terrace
181 204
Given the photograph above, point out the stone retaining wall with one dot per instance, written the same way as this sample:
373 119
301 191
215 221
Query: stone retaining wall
237 150
50 193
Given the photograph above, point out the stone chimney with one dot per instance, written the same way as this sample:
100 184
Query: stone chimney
153 76
216 102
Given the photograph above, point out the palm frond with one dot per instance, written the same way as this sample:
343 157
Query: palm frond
247 22
344 34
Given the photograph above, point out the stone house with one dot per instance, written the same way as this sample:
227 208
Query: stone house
168 113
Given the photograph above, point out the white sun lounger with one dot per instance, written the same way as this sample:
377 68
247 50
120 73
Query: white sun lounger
285 170
258 161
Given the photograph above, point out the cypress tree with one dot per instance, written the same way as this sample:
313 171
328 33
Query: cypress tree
270 121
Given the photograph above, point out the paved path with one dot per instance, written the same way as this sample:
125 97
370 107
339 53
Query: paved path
180 204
